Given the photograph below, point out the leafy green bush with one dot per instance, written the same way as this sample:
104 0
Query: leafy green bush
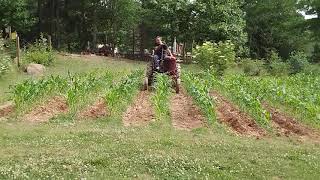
279 69
252 67
217 57
40 53
298 62
276 66
316 53
4 59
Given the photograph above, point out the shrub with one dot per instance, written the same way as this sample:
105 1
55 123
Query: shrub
316 53
274 57
298 62
40 53
4 59
216 57
279 69
252 67
276 66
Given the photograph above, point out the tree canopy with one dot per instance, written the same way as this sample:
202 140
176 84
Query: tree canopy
255 27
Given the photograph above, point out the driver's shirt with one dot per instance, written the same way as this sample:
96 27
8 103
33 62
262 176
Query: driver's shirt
160 50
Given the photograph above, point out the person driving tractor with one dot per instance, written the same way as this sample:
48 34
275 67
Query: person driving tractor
160 52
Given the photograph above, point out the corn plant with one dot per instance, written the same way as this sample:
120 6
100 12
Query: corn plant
30 91
81 87
123 91
301 93
160 99
199 90
239 90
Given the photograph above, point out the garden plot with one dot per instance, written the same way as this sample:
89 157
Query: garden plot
238 120
140 111
185 114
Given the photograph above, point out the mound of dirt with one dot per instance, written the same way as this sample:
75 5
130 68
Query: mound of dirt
6 109
140 112
97 110
232 116
50 109
185 115
287 125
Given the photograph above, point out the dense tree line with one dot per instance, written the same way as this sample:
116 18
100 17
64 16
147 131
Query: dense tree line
257 28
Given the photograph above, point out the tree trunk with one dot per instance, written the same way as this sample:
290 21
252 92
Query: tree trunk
58 33
134 42
52 18
39 16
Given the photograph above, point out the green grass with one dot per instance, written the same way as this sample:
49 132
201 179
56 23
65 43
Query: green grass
104 149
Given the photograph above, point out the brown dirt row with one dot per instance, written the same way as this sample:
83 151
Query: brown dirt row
50 109
243 124
238 120
140 112
287 125
6 109
185 114
95 111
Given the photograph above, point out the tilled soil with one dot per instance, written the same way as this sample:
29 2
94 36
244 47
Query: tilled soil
287 125
50 109
6 109
97 110
232 116
185 114
140 112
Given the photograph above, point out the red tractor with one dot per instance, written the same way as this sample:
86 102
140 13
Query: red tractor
168 66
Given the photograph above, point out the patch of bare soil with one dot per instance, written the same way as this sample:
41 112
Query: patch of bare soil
50 109
97 110
287 125
185 114
6 109
239 121
140 112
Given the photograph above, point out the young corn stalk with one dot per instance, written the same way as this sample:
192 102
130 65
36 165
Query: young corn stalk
240 91
30 92
123 91
83 87
160 98
199 90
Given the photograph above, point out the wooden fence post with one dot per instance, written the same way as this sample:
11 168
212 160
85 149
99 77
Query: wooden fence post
18 50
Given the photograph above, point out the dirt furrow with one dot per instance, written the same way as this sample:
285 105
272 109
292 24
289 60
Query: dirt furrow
185 114
6 109
287 125
232 116
48 110
95 111
140 112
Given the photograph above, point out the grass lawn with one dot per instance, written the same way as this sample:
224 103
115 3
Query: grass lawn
64 148
104 148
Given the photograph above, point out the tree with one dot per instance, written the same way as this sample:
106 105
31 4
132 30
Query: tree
17 14
220 20
316 53
312 7
274 25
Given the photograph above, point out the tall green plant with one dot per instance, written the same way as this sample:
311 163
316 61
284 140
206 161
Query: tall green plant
298 62
40 52
161 96
123 91
199 89
217 57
